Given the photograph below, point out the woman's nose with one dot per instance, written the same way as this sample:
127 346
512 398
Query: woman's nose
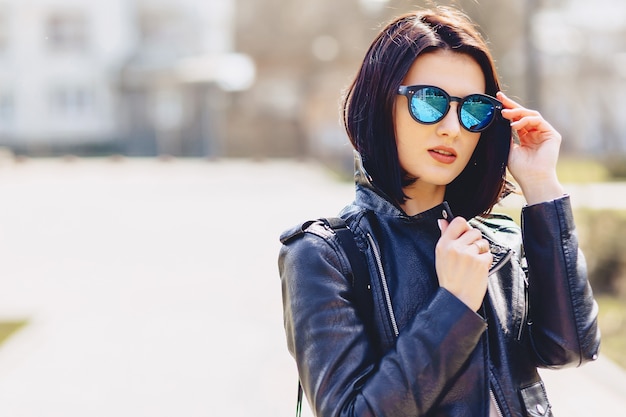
450 124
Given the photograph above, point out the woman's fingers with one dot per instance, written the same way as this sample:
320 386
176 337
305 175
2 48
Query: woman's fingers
481 245
461 231
461 235
532 160
530 125
515 112
462 260
526 122
456 228
507 102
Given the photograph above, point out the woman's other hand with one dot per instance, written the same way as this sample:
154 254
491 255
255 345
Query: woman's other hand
532 162
462 261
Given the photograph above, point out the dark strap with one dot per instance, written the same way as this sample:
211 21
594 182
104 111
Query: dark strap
299 404
360 274
360 281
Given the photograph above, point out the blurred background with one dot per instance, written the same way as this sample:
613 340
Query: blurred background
151 152
262 78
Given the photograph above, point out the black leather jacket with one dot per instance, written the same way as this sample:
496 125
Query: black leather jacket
429 354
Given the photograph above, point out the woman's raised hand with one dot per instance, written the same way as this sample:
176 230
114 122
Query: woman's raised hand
532 162
462 261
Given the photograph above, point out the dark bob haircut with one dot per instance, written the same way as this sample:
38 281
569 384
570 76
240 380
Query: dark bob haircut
368 108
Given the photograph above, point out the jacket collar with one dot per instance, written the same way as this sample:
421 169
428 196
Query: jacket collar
368 195
372 198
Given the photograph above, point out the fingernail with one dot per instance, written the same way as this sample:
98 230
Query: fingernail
439 224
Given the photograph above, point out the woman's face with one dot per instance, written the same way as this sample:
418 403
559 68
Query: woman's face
436 154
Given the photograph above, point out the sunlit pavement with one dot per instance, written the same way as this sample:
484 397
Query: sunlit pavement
151 289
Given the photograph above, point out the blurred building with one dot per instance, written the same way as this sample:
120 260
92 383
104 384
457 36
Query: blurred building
148 77
58 63
132 76
581 47
263 78
565 58
176 84
306 53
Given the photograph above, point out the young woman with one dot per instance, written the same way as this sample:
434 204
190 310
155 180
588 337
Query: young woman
465 309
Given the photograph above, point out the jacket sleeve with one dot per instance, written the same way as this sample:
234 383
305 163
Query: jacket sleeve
563 312
340 369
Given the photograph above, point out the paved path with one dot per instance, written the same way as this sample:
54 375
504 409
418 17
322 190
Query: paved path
152 290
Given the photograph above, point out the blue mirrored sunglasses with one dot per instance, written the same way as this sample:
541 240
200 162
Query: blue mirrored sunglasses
429 105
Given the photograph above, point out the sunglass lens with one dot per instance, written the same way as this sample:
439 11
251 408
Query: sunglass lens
477 113
429 105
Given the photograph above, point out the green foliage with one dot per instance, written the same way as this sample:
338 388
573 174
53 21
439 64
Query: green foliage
602 235
581 171
7 328
602 238
616 166
612 321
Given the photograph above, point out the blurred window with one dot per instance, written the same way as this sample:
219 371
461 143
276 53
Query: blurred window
373 6
67 31
157 25
4 31
7 108
72 101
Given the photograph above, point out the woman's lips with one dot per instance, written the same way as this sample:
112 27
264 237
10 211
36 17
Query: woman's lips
443 155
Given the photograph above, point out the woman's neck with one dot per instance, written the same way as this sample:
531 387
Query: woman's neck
422 197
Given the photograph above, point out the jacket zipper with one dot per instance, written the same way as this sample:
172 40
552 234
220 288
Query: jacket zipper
392 316
495 403
383 278
525 316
